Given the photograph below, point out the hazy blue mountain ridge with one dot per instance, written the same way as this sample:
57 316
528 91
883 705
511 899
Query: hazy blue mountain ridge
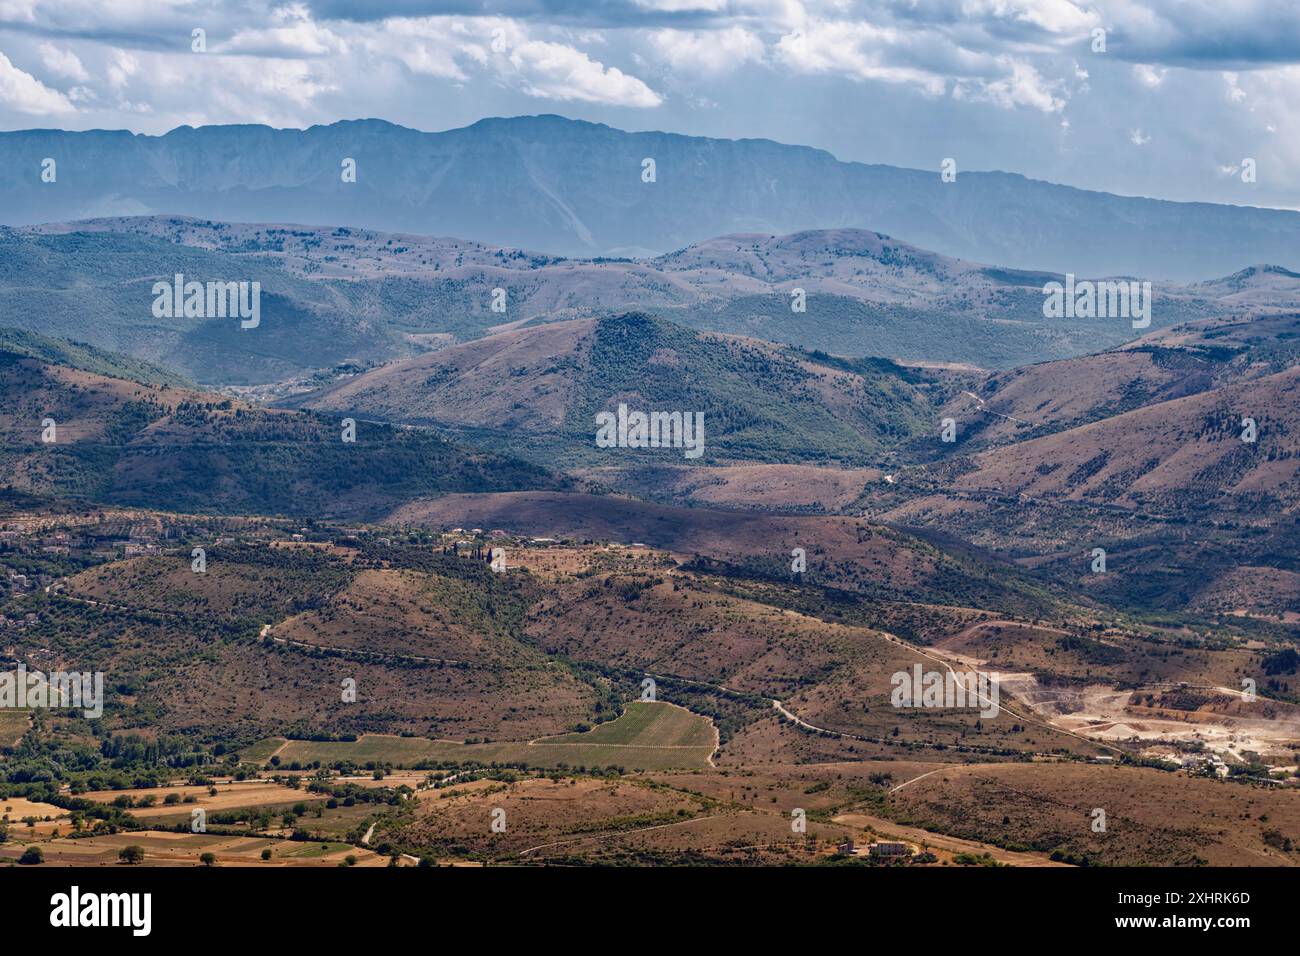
575 188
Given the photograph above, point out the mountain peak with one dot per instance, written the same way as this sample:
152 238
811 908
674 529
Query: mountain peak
1253 275
1268 269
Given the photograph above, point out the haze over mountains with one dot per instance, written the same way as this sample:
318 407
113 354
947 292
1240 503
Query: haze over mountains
333 295
574 188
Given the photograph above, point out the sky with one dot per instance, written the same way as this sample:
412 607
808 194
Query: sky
1163 98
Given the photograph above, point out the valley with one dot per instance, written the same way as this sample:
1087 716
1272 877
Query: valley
535 674
365 590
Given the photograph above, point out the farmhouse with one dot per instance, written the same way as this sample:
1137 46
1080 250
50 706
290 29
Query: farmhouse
886 848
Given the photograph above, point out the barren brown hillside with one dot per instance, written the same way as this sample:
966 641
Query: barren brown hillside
522 379
1190 447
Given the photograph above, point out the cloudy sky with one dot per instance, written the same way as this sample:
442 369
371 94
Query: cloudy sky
1184 91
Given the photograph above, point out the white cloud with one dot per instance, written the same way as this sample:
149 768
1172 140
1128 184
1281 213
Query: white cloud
251 90
18 11
1055 16
558 72
706 52
424 46
277 82
121 67
63 63
1149 76
1139 138
1021 86
926 60
1269 118
460 48
858 50
683 6
1235 93
428 58
293 33
23 92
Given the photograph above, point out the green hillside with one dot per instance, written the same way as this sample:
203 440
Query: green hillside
759 403
97 286
537 392
87 358
943 330
128 444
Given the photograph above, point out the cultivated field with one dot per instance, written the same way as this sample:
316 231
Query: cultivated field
229 796
648 736
163 848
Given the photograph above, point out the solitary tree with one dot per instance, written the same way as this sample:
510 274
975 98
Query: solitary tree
32 855
131 854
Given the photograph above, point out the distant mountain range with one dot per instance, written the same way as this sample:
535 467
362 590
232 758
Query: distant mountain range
343 296
575 188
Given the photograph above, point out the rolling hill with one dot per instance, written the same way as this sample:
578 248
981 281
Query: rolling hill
1156 399
352 297
538 391
1183 453
1138 450
1017 405
843 553
87 358
50 283
69 433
